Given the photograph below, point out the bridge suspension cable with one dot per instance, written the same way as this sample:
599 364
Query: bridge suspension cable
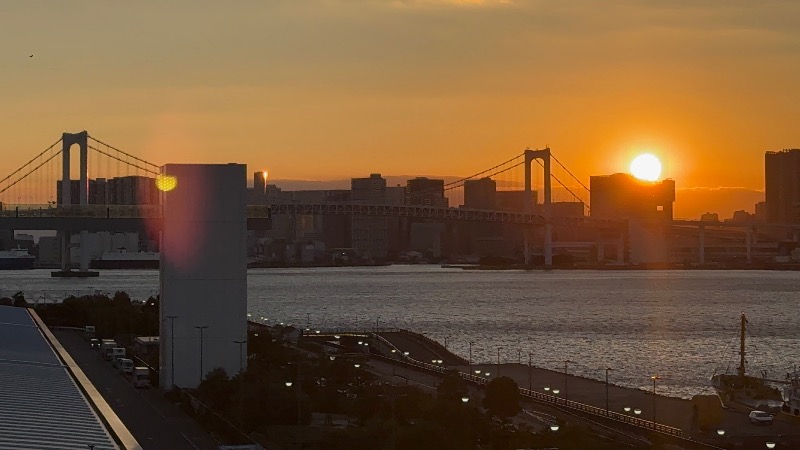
462 180
142 167
32 160
154 167
15 182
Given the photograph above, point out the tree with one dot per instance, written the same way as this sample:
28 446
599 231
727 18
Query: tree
502 398
19 300
452 387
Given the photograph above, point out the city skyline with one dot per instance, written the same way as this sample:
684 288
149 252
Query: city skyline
334 90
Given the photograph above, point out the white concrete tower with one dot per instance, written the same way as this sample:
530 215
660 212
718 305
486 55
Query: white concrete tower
203 270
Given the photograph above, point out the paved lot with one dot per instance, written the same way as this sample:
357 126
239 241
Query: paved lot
154 422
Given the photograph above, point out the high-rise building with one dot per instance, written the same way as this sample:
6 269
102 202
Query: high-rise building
129 190
425 192
782 179
259 183
480 194
514 201
370 235
621 196
647 208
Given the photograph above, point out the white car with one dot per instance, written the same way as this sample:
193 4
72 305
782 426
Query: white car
761 418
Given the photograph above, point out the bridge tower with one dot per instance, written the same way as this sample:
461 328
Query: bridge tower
68 140
82 141
530 157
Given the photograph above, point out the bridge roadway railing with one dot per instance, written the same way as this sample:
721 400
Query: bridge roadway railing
351 209
92 211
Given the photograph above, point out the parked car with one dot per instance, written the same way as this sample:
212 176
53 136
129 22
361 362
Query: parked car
94 344
761 418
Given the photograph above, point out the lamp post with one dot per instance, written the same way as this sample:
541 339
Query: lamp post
241 383
654 378
201 328
607 370
376 323
172 350
445 342
566 381
519 356
530 372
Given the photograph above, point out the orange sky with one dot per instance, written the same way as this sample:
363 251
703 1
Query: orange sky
324 89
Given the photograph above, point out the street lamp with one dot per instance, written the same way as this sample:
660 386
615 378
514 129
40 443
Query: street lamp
566 381
530 372
554 427
200 328
770 445
498 361
464 399
607 370
288 384
721 432
547 388
637 411
172 350
627 409
445 342
470 355
555 391
376 323
654 378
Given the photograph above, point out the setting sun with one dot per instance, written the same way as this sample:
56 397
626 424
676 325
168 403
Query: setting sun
646 167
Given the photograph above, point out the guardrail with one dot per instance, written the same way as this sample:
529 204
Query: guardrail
92 211
549 399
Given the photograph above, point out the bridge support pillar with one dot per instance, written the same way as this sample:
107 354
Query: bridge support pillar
65 254
701 251
548 245
84 251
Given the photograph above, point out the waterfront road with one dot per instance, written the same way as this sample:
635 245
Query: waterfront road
155 422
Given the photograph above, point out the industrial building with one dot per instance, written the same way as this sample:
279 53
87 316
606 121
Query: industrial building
42 403
203 272
782 185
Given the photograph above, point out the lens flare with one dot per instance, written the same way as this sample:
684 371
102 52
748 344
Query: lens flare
166 183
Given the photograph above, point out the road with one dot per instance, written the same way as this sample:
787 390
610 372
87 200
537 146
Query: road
155 422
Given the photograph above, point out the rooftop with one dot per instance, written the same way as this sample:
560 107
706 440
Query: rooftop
41 406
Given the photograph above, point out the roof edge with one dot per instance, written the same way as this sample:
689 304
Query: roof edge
107 415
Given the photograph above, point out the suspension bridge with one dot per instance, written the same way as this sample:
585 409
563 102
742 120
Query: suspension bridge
114 190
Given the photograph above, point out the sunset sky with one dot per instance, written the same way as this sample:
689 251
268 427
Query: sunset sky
329 89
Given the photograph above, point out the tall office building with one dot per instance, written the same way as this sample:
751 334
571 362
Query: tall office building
480 194
259 183
203 273
129 190
647 208
370 235
621 196
425 192
782 179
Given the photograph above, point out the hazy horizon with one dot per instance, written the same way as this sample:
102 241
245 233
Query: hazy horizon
330 89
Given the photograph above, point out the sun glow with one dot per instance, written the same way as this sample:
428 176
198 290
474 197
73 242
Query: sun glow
265 174
646 167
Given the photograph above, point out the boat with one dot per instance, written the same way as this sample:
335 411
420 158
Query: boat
122 259
747 390
16 259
